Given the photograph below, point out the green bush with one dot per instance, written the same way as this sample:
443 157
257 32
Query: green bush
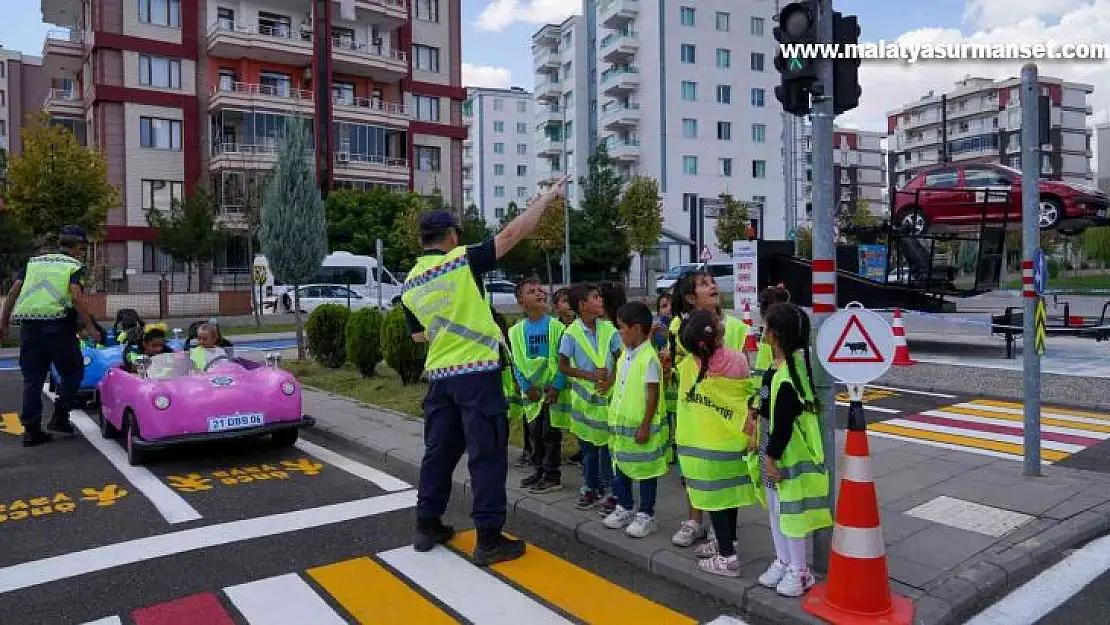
1053 269
364 340
402 354
326 331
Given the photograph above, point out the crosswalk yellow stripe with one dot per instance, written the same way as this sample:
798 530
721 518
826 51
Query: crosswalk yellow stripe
9 423
576 591
1005 416
1101 416
372 594
964 441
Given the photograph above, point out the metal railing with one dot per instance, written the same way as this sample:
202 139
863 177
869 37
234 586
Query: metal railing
615 72
612 38
67 95
342 158
241 149
272 91
277 32
374 104
614 109
66 35
392 4
614 143
377 50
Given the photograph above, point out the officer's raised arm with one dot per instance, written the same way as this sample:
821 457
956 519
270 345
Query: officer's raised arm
526 222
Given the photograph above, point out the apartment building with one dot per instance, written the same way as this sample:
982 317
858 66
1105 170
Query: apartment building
499 159
175 92
859 169
23 87
1102 134
980 119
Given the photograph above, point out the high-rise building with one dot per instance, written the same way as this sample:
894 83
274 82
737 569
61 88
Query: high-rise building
1102 133
980 120
683 93
499 160
178 92
23 88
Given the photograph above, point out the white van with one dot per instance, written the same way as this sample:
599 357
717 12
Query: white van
339 268
723 272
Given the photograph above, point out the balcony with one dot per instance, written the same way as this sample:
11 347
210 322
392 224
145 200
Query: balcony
63 53
546 59
549 114
545 36
371 111
614 115
372 60
237 40
549 92
549 147
64 102
620 47
65 13
235 95
623 149
618 80
617 13
390 14
231 155
371 167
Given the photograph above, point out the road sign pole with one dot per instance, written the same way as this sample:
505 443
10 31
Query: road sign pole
1031 236
381 268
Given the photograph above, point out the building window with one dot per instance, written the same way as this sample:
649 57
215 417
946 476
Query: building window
3 98
521 106
722 22
160 12
427 108
757 61
690 165
725 167
498 170
522 191
156 260
522 128
498 104
756 28
499 192
522 170
425 58
759 133
689 90
688 53
156 71
498 148
724 94
426 10
427 157
757 97
724 131
690 128
161 194
274 83
686 15
522 149
499 127
759 169
3 125
724 58
159 134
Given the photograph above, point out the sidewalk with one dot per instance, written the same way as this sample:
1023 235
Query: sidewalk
949 570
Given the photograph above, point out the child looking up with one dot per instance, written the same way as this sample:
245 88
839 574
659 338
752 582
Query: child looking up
563 309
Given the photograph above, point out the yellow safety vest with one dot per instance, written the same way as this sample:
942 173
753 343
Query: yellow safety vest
764 358
804 489
588 408
736 332
512 395
626 412
712 446
45 292
540 372
463 337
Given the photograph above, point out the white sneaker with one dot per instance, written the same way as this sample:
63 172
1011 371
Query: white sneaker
795 583
707 549
641 526
688 533
720 565
773 575
618 518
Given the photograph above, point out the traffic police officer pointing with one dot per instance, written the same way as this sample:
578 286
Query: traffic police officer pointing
46 300
465 409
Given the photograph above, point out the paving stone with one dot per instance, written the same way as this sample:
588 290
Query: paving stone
1029 498
753 542
988 578
766 604
1013 561
881 445
616 543
554 517
1029 530
1073 506
901 484
898 526
888 462
1076 530
1037 549
906 503
961 595
909 592
943 467
1000 472
683 570
940 546
384 440
911 573
932 611
412 455
962 488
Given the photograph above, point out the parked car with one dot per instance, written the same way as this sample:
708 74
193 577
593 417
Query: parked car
955 195
723 273
314 295
500 293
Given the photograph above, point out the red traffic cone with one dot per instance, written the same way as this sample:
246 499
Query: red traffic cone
857 589
749 341
901 349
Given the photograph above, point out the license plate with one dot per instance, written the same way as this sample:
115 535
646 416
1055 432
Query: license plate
235 422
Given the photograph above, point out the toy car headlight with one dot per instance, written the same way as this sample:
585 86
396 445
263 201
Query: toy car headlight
161 402
87 360
288 388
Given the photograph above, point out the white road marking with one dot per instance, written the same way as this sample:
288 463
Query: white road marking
1051 589
169 504
1062 416
844 404
1067 448
378 478
726 620
107 620
282 600
910 391
36 572
1055 429
951 447
476 595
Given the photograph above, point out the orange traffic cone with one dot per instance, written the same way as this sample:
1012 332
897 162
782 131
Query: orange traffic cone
857 589
749 342
901 349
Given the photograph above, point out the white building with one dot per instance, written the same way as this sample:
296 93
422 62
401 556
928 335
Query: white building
680 93
1102 138
499 160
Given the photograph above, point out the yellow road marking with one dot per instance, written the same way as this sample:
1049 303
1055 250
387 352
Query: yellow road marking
1101 416
1005 416
372 594
964 441
9 423
578 592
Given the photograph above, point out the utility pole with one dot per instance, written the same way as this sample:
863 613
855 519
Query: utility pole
1030 239
566 201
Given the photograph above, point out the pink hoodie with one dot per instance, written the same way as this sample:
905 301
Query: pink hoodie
728 363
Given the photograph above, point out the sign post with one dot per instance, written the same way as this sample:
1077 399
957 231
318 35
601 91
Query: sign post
381 269
260 280
1033 263
745 262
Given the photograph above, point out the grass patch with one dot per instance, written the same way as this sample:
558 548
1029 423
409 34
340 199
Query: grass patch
1095 281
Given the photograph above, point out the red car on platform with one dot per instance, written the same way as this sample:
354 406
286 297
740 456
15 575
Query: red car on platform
962 195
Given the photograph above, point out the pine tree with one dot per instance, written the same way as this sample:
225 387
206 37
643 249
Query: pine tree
293 230
732 223
641 210
596 243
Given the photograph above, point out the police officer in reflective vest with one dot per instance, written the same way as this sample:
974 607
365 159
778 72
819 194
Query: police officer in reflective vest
465 409
48 303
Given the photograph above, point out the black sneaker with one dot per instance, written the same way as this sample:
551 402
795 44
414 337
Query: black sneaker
503 550
608 505
587 500
62 426
531 480
546 485
36 437
576 459
428 537
524 460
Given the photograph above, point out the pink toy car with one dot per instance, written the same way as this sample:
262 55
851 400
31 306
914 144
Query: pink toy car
168 402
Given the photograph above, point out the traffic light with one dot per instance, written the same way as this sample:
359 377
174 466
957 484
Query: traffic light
846 89
797 26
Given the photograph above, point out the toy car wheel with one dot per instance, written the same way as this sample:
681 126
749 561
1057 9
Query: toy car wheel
286 438
107 430
135 456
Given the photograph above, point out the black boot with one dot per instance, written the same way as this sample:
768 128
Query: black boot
431 533
34 436
62 425
497 548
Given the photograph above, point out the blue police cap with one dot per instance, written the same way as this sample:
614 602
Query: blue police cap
74 234
437 221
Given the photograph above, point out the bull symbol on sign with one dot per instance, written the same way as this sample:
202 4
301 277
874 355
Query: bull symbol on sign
857 348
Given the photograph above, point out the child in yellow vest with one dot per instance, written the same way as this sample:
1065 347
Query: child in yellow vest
792 473
637 433
560 412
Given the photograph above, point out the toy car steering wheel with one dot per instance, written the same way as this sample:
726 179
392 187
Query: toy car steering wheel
216 360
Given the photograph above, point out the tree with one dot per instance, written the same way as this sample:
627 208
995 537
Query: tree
472 228
56 181
732 223
550 234
804 244
189 231
405 236
293 233
641 210
16 246
252 219
858 224
593 248
1096 244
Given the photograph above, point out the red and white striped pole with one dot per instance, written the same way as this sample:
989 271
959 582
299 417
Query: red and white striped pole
1028 291
824 287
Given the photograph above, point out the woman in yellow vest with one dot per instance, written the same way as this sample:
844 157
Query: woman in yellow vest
793 474
693 291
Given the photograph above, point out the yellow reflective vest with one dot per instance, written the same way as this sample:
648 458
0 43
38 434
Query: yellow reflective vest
627 409
540 372
45 292
589 409
736 332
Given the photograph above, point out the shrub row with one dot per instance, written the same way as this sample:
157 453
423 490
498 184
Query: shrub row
336 336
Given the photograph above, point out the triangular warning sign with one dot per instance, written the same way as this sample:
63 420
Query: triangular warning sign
855 345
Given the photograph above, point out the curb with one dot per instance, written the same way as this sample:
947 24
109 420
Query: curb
948 601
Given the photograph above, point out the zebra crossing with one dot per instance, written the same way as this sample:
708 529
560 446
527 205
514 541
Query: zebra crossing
995 428
403 586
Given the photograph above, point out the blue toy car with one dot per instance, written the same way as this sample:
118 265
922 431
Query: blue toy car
98 359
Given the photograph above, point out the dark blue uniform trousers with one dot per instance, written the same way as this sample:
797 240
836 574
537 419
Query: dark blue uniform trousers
466 413
37 351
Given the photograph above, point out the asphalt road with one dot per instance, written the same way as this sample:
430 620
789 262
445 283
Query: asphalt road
1091 605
